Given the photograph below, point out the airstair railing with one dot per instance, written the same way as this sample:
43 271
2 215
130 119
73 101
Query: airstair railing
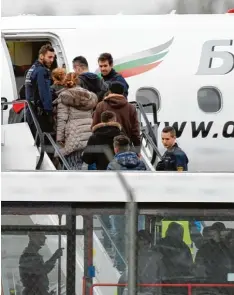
141 107
111 240
189 286
38 128
148 132
151 142
57 151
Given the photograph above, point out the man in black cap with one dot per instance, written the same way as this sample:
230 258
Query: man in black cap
126 113
32 268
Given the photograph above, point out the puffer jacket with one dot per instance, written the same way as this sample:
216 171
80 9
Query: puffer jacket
126 161
74 118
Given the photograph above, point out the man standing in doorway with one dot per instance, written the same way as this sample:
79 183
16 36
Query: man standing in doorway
109 75
88 80
174 159
37 89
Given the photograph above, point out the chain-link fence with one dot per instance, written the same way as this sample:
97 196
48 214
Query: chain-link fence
86 248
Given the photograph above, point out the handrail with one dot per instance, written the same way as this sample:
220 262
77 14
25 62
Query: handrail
149 139
150 136
111 240
38 128
189 286
57 150
149 127
154 109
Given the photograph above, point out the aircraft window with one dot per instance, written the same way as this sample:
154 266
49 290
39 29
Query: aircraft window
209 99
147 95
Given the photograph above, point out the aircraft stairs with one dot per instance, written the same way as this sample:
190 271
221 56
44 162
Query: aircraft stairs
19 152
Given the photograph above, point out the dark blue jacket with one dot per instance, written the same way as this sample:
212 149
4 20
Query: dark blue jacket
126 161
37 86
113 76
173 160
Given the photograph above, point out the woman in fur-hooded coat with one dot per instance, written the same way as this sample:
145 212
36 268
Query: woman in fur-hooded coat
74 119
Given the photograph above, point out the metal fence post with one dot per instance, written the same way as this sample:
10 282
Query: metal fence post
132 248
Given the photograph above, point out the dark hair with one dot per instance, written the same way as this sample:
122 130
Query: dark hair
106 56
116 87
71 80
219 226
108 116
81 60
45 48
175 230
169 129
144 235
122 142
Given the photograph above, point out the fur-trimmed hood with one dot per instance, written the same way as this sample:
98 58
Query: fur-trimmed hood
78 98
116 101
102 136
109 124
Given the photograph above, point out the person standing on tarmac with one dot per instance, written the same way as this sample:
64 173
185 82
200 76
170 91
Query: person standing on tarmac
88 80
37 89
174 159
32 268
109 75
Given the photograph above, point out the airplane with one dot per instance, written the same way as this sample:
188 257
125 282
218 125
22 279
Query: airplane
182 63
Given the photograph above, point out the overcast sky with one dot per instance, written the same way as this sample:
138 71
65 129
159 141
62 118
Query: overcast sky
75 7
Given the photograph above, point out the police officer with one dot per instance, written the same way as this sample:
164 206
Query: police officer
174 159
32 268
37 89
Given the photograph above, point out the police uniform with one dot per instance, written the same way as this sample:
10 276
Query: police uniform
37 91
173 160
34 272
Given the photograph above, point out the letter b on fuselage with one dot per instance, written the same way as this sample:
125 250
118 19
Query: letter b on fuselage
209 54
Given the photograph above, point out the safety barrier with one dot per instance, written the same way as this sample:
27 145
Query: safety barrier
188 286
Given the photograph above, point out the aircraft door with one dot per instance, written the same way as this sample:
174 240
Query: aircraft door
59 53
8 84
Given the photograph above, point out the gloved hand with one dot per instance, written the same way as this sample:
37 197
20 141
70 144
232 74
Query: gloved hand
160 166
58 253
49 119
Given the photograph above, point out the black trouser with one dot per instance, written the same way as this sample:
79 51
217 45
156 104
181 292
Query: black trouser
45 122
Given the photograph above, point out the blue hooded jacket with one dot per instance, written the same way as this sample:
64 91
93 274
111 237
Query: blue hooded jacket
126 161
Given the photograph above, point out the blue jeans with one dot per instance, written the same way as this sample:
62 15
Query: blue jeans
92 166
